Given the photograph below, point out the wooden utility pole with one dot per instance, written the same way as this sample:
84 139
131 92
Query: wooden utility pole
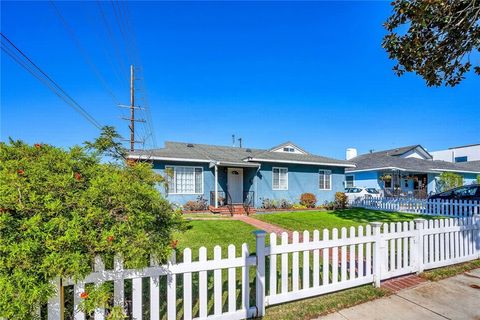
132 108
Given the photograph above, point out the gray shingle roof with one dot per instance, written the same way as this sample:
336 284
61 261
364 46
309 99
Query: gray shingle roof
391 159
181 150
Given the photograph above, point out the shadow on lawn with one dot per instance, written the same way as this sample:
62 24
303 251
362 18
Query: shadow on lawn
365 215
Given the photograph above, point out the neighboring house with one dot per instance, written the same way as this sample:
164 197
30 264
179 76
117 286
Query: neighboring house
404 171
233 174
458 154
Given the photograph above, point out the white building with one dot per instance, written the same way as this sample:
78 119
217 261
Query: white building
458 154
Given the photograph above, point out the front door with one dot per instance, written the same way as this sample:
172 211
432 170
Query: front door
235 184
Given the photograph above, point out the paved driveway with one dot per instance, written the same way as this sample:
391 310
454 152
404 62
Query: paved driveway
454 298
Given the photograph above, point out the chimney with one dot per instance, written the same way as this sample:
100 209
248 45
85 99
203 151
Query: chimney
351 153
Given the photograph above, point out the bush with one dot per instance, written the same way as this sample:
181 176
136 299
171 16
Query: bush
269 204
61 208
341 200
298 206
285 204
308 200
196 205
329 205
449 180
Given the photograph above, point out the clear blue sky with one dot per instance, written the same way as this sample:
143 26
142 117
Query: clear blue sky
313 73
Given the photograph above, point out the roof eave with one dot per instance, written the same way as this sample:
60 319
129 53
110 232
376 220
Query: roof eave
334 164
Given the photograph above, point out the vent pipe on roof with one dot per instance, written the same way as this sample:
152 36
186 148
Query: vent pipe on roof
350 153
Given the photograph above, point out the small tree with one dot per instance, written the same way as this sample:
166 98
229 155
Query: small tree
478 179
61 208
449 180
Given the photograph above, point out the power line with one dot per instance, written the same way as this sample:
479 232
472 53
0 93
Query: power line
84 53
25 62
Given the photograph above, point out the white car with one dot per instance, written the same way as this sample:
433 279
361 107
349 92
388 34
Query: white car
355 193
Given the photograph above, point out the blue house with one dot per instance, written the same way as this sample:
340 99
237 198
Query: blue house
233 175
404 171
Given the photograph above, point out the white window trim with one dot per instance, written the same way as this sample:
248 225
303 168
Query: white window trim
348 175
279 189
330 177
174 181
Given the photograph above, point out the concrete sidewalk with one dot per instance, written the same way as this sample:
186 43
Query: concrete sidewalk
453 298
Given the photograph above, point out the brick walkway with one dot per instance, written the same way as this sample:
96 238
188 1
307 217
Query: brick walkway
265 226
400 283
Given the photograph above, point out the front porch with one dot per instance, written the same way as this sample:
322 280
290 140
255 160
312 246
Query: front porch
233 189
404 184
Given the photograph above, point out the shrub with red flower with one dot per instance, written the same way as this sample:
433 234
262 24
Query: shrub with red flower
21 172
77 176
174 244
110 238
38 145
84 295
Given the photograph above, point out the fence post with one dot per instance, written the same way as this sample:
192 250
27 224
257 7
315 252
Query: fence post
418 247
377 256
260 273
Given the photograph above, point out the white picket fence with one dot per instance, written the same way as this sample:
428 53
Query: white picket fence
293 269
451 208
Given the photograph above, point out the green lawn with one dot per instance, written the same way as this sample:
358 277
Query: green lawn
222 232
319 220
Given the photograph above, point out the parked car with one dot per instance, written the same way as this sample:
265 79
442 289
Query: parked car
470 192
355 193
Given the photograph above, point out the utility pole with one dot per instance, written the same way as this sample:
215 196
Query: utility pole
132 108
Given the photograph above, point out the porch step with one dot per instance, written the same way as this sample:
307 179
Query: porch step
237 209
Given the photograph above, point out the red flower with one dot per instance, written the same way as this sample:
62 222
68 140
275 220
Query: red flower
84 295
110 238
20 172
37 145
174 244
77 176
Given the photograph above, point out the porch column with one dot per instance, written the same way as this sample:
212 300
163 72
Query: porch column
216 186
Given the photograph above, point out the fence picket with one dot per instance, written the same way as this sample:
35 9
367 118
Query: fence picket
360 253
187 288
232 287
217 282
79 288
273 265
343 252
295 266
352 255
171 291
99 266
202 285
245 279
316 260
325 262
284 275
335 257
306 262
368 252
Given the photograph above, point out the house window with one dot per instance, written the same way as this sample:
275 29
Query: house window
288 149
349 182
461 159
325 179
387 183
280 179
184 180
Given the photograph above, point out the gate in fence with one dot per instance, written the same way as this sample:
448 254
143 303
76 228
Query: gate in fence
239 285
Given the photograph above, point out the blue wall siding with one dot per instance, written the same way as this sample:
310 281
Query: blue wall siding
367 179
301 179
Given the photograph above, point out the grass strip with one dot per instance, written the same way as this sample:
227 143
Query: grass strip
315 307
450 271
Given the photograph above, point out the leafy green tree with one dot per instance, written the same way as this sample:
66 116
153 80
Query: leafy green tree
478 179
61 208
449 180
434 38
